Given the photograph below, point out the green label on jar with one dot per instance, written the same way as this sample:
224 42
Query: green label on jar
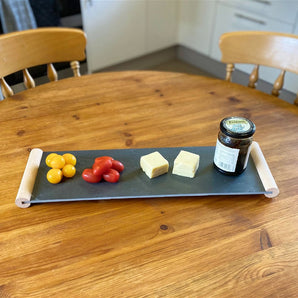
237 125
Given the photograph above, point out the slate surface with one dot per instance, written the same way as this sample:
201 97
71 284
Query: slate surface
134 183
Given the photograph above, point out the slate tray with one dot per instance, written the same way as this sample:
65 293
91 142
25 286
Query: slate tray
134 183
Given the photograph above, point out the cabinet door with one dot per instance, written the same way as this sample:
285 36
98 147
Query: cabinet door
162 21
115 31
196 18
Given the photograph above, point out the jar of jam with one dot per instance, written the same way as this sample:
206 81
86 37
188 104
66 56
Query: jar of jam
233 145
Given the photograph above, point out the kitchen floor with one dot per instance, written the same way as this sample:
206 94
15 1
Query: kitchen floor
177 65
174 65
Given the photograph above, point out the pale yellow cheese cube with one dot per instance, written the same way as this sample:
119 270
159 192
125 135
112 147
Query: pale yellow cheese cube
154 164
186 164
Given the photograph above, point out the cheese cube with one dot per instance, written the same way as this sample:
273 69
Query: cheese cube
186 164
154 164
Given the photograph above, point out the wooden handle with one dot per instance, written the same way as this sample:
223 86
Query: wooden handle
264 171
28 180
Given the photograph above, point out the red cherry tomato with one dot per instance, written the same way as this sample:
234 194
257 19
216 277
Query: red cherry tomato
97 159
111 175
101 166
88 176
117 165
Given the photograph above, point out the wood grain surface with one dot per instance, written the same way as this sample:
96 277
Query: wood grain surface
232 246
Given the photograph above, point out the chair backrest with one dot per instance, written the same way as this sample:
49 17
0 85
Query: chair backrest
271 49
23 49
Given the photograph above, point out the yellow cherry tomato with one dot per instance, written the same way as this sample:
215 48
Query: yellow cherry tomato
54 176
49 158
69 171
57 162
70 159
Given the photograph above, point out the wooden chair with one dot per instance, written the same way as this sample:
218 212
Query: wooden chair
271 49
23 49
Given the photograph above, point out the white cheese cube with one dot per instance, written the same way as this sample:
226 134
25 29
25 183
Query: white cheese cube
186 164
154 164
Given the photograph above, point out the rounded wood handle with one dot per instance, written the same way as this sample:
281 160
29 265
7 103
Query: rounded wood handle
27 183
264 171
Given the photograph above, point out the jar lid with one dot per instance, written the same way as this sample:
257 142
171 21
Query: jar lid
237 127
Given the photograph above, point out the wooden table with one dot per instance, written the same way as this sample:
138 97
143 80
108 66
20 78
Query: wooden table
225 246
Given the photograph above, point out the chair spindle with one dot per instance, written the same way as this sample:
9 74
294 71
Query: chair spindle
254 76
278 83
52 73
6 89
229 69
28 80
75 66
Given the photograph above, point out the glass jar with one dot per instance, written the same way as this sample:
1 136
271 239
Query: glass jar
233 145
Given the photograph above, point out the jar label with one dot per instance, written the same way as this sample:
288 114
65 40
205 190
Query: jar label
225 157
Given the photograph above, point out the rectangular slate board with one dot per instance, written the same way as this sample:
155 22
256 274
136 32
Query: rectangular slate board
134 183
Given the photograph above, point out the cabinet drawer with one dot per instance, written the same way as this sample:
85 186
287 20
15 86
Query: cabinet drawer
285 10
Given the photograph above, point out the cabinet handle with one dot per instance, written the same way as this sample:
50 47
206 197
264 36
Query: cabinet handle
241 16
263 2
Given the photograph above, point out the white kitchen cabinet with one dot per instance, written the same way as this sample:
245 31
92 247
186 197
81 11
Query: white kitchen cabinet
119 30
196 19
162 24
115 31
